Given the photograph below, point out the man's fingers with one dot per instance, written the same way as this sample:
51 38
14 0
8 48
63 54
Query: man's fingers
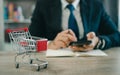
69 35
90 35
77 49
64 38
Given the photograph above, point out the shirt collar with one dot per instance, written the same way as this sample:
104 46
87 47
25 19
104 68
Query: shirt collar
65 3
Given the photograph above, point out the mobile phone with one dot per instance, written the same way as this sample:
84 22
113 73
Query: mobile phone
80 43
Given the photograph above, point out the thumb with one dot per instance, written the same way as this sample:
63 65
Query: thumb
90 35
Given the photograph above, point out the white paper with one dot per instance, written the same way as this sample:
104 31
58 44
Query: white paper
91 53
69 52
59 52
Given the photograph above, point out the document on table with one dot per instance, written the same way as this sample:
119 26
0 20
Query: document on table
68 52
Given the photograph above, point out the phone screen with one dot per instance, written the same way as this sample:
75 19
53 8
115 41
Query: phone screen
80 43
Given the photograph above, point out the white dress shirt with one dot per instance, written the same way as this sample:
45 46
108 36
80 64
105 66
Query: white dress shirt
66 13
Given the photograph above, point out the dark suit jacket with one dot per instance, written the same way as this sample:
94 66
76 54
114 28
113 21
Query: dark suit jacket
46 21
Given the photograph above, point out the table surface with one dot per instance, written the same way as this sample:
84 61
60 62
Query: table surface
106 65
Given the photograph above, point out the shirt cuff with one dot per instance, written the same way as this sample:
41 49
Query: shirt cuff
100 44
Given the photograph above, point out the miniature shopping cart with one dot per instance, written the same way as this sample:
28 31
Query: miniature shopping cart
26 48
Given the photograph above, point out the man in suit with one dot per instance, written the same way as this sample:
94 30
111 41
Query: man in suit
50 20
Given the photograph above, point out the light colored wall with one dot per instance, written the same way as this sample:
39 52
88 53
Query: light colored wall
119 15
111 6
1 26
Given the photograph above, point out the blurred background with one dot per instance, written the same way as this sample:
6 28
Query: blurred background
20 12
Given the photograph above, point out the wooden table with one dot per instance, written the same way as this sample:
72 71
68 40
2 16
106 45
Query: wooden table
108 65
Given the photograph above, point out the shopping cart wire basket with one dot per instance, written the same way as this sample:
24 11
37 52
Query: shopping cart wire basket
26 47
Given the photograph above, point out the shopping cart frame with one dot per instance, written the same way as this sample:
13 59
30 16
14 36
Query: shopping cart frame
27 46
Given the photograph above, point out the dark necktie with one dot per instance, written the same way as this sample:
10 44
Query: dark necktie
72 24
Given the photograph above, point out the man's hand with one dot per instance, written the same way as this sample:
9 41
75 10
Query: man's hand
90 36
62 40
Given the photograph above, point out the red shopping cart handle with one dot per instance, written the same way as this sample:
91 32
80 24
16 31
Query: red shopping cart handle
17 29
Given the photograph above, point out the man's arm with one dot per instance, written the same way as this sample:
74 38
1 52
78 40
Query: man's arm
108 31
37 27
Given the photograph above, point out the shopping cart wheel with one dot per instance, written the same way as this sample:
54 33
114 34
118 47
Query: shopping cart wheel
31 61
38 68
17 65
45 66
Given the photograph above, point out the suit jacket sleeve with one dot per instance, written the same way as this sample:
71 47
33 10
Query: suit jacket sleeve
108 31
37 27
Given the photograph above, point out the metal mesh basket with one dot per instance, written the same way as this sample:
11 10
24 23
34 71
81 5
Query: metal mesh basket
26 47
